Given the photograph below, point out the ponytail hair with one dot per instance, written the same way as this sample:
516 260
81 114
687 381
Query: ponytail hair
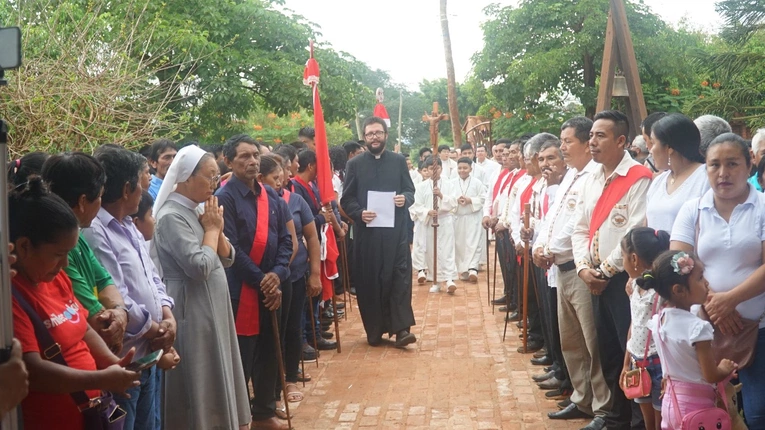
37 214
646 242
663 274
26 166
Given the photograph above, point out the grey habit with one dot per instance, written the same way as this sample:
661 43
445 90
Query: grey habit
207 390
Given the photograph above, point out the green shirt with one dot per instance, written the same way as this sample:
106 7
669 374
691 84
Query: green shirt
88 276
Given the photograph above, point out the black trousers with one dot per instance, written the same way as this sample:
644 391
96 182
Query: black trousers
291 329
612 320
260 366
507 265
549 306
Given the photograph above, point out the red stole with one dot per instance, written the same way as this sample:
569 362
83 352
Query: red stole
307 186
248 313
613 193
545 204
286 196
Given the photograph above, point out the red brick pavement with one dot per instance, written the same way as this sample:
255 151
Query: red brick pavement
459 374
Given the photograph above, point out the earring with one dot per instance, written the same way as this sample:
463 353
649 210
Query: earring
669 161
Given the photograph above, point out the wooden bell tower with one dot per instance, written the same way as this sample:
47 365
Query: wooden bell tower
620 53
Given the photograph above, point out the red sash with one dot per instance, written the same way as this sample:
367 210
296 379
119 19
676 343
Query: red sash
613 193
545 204
248 313
307 186
497 184
518 175
526 194
286 196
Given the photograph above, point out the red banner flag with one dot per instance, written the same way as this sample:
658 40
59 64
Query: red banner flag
323 166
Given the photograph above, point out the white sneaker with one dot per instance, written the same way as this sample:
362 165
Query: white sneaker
464 276
451 287
472 276
421 277
435 289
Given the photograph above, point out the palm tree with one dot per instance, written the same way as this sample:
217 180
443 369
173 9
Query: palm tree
451 84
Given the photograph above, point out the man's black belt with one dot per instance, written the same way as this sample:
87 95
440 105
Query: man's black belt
567 266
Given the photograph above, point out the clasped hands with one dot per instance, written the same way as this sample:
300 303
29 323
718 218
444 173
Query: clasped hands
720 309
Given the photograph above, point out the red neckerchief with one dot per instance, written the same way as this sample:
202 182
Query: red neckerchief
248 313
613 193
307 186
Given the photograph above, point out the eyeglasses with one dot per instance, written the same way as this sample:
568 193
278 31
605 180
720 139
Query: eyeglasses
213 181
374 134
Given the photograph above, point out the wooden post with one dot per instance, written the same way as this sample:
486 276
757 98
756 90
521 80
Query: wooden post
526 274
400 113
619 51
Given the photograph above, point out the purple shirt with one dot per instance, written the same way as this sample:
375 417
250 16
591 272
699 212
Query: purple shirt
119 248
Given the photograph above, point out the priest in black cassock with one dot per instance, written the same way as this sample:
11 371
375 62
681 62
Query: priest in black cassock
382 254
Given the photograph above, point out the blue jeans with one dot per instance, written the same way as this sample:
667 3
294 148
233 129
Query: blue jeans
143 406
753 388
656 376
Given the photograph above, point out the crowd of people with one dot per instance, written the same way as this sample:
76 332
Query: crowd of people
156 287
646 283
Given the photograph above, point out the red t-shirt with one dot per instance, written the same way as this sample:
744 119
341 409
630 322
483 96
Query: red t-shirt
67 322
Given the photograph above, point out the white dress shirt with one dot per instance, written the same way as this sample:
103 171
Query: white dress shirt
556 229
605 251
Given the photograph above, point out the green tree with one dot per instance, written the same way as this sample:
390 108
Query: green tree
542 52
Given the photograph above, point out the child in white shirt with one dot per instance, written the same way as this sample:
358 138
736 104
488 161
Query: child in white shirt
683 340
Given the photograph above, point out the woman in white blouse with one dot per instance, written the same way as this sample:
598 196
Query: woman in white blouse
726 229
676 153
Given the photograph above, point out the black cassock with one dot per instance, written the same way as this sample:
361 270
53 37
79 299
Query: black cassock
382 255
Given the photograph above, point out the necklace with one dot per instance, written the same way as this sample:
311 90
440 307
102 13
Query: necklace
672 178
468 185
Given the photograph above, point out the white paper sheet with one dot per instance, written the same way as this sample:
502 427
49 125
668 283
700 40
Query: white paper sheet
381 203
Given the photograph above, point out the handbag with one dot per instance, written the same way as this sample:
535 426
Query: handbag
740 347
707 418
100 413
637 382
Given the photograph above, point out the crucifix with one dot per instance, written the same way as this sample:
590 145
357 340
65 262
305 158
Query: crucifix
434 118
619 52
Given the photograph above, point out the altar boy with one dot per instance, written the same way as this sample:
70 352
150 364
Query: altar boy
468 231
422 210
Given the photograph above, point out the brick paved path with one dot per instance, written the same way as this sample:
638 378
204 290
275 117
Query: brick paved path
459 374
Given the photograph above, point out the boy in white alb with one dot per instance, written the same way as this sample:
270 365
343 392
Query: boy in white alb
418 243
422 210
468 231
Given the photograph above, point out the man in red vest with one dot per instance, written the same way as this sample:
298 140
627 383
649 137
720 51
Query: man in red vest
612 202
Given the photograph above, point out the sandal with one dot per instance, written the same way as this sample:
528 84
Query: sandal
293 396
281 410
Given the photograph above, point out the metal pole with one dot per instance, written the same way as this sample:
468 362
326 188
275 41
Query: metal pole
6 316
400 111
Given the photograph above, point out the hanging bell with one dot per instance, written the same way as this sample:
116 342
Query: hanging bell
620 87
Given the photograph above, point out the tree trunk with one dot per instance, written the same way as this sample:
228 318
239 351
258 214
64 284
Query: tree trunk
454 115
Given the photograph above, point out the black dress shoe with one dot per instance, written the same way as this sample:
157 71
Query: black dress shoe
597 423
340 306
542 361
514 316
327 334
404 338
326 345
558 394
533 345
570 412
500 301
352 291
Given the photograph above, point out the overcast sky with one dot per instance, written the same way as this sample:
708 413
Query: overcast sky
416 51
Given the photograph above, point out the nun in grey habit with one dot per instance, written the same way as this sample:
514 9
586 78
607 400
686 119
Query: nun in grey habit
207 390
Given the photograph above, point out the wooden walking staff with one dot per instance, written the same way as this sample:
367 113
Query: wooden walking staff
277 341
488 272
525 261
434 118
313 330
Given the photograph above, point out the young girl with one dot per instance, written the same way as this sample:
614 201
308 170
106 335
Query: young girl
640 248
683 340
